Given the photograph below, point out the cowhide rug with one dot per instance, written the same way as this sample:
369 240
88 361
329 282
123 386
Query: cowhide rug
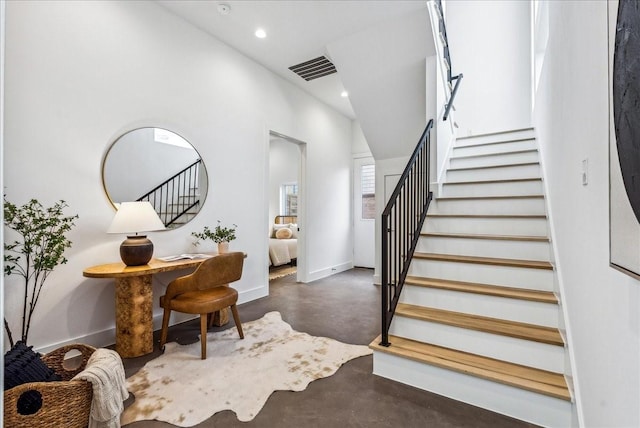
239 375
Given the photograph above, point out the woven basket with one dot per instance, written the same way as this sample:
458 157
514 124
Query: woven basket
65 403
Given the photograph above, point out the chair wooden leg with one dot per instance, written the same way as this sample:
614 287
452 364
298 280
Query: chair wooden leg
165 328
236 318
203 336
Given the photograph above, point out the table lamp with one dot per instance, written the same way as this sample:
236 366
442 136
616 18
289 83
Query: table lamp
132 218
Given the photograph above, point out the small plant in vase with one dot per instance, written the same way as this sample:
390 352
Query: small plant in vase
220 235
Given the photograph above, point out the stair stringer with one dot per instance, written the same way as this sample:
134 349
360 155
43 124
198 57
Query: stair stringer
563 316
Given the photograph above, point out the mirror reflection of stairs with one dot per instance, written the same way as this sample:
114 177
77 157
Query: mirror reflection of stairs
177 199
479 318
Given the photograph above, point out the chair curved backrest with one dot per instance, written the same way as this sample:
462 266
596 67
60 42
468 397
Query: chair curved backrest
215 271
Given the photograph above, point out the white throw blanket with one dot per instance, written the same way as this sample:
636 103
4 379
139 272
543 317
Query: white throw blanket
105 372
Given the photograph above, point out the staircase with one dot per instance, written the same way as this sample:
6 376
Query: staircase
191 200
478 319
177 199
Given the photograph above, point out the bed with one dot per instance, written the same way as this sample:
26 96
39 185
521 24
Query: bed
283 241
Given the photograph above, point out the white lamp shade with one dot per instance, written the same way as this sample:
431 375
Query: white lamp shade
134 217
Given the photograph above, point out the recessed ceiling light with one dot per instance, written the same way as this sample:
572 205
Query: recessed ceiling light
344 94
224 9
260 33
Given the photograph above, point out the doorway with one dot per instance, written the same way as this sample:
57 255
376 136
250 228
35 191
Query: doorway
364 212
286 195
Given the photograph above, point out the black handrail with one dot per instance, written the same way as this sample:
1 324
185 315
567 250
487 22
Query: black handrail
458 79
174 197
447 58
402 221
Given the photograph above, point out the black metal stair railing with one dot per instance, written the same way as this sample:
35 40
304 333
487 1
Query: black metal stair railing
402 221
447 59
177 195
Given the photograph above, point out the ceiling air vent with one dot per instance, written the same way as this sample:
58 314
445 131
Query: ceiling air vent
314 68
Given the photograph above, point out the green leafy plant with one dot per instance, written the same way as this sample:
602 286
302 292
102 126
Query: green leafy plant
38 250
218 235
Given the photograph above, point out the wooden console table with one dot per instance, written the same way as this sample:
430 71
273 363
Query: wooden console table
134 301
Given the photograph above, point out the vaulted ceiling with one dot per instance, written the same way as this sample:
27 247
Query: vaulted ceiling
298 31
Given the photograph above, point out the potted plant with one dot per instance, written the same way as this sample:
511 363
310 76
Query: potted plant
220 235
36 252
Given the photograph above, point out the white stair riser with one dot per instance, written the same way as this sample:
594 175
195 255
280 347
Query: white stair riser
191 195
524 250
517 403
178 207
481 149
492 160
519 351
534 279
186 216
529 206
498 173
538 313
491 138
513 188
487 226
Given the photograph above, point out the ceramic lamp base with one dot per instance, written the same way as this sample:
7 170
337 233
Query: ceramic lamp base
136 250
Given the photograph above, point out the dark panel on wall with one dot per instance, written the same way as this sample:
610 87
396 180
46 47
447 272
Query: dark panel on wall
626 98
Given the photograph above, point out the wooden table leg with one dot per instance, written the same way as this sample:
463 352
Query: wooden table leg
134 316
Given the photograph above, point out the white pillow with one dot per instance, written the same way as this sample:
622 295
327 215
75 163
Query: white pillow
284 233
294 230
276 227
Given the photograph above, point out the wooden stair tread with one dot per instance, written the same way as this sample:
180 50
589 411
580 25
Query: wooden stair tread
501 327
484 155
492 143
507 180
493 166
511 131
489 237
532 264
501 216
485 289
527 378
470 198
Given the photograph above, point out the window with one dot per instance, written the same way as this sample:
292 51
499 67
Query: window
289 199
368 191
167 137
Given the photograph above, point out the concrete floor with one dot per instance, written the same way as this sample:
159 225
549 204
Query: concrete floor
345 307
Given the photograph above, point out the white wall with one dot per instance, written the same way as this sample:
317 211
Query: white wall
603 305
488 45
359 145
2 49
388 171
386 83
284 162
79 74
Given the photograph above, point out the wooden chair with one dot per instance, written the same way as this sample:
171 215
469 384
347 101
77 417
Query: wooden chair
204 292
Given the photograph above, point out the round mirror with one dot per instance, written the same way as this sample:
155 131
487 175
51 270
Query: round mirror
159 166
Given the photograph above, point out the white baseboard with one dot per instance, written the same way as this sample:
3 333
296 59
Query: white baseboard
98 339
377 280
332 270
107 337
253 294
